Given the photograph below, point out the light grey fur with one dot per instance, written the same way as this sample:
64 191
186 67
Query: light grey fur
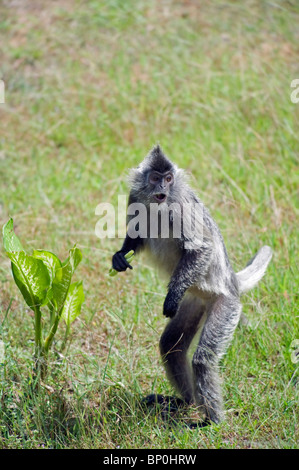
201 281
255 269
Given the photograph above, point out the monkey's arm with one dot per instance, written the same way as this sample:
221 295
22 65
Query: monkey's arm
192 265
119 261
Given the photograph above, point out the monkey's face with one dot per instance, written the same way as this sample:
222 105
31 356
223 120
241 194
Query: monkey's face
160 185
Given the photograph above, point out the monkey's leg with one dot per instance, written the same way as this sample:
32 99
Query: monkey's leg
222 318
175 342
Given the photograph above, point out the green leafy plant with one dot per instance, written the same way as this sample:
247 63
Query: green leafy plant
45 281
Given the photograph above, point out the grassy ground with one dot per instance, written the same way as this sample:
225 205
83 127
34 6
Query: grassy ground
90 88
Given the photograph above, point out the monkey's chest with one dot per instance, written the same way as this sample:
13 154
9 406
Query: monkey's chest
165 253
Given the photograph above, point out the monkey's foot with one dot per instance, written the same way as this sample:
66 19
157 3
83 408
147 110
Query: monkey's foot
169 406
167 403
199 424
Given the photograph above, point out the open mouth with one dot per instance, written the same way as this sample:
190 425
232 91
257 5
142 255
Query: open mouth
160 197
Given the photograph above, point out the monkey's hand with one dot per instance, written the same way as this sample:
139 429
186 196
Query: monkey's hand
119 261
170 305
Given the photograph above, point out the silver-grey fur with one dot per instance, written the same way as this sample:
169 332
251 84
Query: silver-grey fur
202 281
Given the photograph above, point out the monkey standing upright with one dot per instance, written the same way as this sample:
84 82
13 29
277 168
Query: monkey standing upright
202 280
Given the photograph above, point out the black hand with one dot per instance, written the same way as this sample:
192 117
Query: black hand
170 305
119 261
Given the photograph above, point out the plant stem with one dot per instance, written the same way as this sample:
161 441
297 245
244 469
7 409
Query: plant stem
41 354
53 329
52 315
38 331
67 333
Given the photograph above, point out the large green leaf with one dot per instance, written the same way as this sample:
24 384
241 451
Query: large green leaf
73 302
10 240
63 277
31 277
73 259
50 260
52 263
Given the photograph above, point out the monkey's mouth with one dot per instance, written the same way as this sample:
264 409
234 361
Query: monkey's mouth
160 197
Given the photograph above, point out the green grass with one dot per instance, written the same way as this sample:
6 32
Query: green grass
90 88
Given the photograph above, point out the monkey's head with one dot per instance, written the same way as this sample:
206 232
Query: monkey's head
154 180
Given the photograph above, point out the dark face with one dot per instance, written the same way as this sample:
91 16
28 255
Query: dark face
161 184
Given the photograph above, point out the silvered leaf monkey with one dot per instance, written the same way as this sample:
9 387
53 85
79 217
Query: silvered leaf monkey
202 284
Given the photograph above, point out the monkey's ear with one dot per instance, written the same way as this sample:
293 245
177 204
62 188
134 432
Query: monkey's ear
135 177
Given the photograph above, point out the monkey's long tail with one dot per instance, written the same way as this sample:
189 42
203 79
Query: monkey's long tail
255 269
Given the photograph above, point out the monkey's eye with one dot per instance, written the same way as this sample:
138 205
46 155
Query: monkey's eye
168 178
154 178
